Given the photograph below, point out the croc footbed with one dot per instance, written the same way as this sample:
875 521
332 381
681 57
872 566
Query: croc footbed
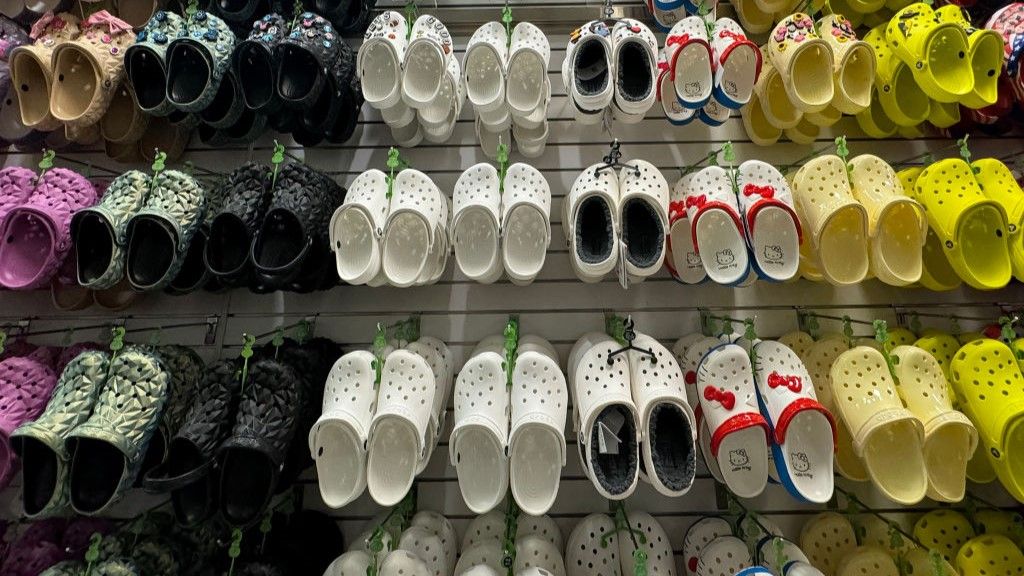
633 81
642 232
615 472
594 231
675 461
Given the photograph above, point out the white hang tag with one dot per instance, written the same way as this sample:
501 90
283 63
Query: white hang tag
622 274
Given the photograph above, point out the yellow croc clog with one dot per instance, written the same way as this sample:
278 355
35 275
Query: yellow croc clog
985 51
799 342
826 539
942 346
885 434
827 117
753 20
989 555
968 337
942 115
867 560
990 391
819 360
944 531
935 51
1002 522
919 561
997 183
936 274
771 6
949 437
898 93
803 133
897 226
804 60
912 132
971 227
900 336
874 121
771 89
837 223
759 129
853 64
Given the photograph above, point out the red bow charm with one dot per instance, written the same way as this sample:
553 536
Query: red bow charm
681 40
103 18
676 209
792 382
765 192
730 34
696 201
723 397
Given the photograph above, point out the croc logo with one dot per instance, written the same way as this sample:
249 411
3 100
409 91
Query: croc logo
794 383
724 397
766 192
696 201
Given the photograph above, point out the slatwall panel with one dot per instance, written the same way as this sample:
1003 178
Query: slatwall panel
557 306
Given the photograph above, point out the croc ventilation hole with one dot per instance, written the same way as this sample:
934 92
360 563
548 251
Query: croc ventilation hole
410 384
540 382
475 372
657 542
868 373
820 366
586 545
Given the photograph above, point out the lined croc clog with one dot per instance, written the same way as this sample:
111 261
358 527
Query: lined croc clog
160 233
900 96
770 221
897 226
594 541
590 214
38 232
426 59
668 426
737 64
804 61
771 91
476 223
986 379
338 439
989 554
380 60
643 217
485 65
713 211
688 53
525 222
357 226
885 434
944 531
698 536
936 51
606 420
681 257
197 60
739 434
536 444
837 223
997 183
587 69
985 52
853 64
826 539
723 556
411 229
98 232
972 228
803 430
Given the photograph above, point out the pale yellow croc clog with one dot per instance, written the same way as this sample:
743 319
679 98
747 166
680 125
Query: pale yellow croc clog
949 437
804 132
800 342
874 531
896 223
971 227
752 18
827 117
919 561
836 221
886 435
853 64
874 121
771 89
865 560
804 60
825 539
759 129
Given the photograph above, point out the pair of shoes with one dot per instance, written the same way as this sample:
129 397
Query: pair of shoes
69 75
401 240
632 417
409 72
141 231
507 83
611 70
89 444
501 226
711 240
609 215
599 540
858 217
515 438
380 435
35 220
538 547
711 68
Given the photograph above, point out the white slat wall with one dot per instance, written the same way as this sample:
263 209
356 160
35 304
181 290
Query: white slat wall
557 306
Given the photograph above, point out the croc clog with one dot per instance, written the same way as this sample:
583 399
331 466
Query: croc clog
770 89
304 59
594 542
867 560
736 64
232 228
769 218
997 183
426 59
479 439
698 536
591 215
853 64
26 383
146 66
756 124
899 95
688 57
944 531
936 51
989 554
972 229
804 61
716 225
681 257
197 60
643 217
936 272
99 232
985 53
826 539
32 67
526 222
380 60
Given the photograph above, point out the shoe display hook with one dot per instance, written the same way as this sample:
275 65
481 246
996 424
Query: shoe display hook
611 160
622 330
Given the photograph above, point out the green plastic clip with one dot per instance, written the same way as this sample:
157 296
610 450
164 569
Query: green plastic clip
750 334
3 340
380 342
69 337
843 152
159 162
302 331
46 162
502 166
190 168
726 327
713 157
965 152
511 349
410 18
895 538
117 339
506 19
1006 331
297 10
937 564
779 548
508 559
192 8
954 326
247 343
812 325
848 331
882 336
93 553
615 326
915 323
728 154
278 341
265 526
234 549
639 562
394 164
154 338
276 159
